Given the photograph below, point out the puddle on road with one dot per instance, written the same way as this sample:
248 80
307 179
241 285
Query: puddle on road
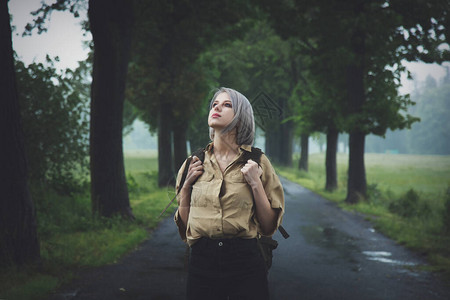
328 237
384 257
343 248
342 245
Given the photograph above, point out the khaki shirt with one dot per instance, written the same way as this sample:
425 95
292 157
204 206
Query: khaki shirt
222 204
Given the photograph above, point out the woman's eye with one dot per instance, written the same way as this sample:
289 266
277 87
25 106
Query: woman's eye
228 104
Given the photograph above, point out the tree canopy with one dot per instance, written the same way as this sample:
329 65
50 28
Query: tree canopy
166 81
358 48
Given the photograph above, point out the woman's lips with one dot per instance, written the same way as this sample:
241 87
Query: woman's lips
215 116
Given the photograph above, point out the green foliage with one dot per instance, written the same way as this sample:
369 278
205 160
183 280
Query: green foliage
198 130
33 288
55 112
410 205
133 187
266 69
259 61
374 194
169 39
71 237
366 35
130 113
43 13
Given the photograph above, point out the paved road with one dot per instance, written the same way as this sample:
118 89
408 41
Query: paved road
331 254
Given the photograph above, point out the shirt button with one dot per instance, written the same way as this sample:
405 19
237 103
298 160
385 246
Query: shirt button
220 244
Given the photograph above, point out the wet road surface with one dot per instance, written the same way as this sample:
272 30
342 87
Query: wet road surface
331 254
334 254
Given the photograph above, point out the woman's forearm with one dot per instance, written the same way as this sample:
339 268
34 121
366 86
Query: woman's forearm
266 215
184 204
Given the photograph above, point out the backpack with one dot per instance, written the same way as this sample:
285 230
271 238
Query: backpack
266 244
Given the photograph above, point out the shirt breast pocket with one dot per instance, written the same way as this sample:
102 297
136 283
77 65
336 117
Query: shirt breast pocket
238 178
202 190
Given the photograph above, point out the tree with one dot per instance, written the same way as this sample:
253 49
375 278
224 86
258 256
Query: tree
167 83
319 112
391 33
318 95
111 24
304 152
18 235
362 45
263 67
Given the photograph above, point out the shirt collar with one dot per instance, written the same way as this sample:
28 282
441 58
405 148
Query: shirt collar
247 148
209 147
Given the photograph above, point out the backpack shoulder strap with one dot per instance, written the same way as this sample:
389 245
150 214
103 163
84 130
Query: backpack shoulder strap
200 153
254 155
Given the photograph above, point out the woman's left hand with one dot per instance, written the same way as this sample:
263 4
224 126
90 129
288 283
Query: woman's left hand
252 172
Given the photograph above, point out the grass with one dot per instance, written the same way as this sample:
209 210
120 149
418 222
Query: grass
71 239
406 198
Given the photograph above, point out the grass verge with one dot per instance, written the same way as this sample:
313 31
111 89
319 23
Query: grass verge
71 239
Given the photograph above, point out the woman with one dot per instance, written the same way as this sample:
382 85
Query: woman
223 205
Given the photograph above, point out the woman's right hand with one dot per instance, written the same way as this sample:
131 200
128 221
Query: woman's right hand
194 171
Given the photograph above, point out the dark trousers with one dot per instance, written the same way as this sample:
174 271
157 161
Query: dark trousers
227 269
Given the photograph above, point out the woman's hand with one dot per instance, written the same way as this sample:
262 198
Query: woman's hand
252 172
194 171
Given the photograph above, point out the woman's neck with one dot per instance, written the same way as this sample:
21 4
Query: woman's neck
225 145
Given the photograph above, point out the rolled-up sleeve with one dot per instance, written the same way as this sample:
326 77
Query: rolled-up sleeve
273 188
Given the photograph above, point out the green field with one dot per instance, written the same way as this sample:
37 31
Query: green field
414 219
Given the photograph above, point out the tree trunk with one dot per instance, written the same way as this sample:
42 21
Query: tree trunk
111 24
165 160
286 144
272 145
304 148
179 145
18 235
356 186
279 144
330 161
285 135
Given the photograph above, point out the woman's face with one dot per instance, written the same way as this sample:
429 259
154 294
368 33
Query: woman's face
221 113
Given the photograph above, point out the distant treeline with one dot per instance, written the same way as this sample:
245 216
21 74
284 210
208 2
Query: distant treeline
429 136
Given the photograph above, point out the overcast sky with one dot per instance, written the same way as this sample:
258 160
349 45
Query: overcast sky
64 39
